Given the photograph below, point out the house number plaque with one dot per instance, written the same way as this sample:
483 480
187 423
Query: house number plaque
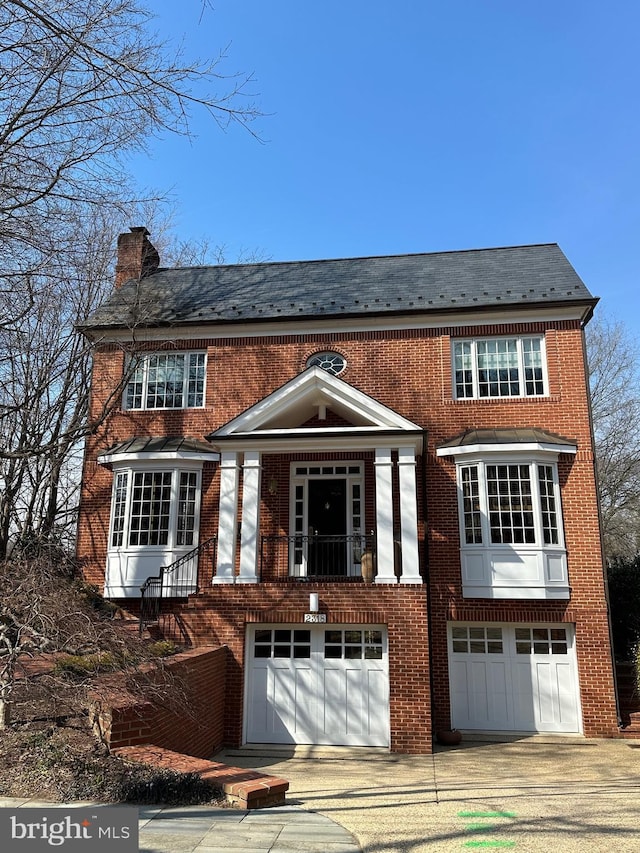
315 617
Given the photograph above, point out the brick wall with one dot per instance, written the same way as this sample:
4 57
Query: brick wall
409 371
221 614
188 716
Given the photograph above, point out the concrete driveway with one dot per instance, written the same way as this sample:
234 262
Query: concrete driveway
534 794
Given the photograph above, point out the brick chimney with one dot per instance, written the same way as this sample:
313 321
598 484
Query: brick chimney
137 256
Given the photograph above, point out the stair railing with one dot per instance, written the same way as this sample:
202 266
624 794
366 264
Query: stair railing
178 580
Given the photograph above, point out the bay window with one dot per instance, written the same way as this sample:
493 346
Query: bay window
510 514
154 521
509 504
154 508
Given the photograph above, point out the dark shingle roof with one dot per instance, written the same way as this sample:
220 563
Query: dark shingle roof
473 279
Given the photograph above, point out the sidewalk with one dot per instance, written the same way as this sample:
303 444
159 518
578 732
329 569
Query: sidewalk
201 829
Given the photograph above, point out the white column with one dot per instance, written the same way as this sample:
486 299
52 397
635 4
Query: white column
408 515
250 528
227 518
384 516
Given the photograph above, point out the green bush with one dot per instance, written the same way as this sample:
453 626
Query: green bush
163 649
624 598
82 666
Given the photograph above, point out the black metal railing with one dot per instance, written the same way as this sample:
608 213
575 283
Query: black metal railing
319 557
177 580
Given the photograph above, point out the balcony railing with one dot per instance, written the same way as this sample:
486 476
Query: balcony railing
319 557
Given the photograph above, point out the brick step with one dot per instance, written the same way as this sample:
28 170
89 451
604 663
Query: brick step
630 724
247 789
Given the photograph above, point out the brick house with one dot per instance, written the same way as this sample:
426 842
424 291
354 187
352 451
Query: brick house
371 479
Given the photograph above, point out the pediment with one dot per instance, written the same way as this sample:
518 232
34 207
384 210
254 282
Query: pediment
314 400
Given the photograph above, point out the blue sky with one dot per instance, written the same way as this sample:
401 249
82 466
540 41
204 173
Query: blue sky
418 126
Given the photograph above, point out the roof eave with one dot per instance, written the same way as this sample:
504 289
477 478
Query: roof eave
588 303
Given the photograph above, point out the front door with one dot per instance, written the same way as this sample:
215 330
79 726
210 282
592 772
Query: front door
327 506
327 527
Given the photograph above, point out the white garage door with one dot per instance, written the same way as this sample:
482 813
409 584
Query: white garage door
317 685
513 678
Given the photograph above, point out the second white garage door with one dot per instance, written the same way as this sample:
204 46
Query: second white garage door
513 678
317 685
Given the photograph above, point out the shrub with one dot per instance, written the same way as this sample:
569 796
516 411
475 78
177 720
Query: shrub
82 666
163 649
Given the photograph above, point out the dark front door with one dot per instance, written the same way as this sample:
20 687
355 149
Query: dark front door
327 527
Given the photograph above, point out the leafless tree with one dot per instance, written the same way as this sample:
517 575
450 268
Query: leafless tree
49 618
614 372
81 86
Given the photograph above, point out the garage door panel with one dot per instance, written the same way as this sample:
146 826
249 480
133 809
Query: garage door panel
568 711
499 699
333 702
524 716
259 706
458 678
513 678
333 688
378 699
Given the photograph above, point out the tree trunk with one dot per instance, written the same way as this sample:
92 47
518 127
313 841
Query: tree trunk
5 714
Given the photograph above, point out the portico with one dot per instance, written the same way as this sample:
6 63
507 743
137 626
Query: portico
290 421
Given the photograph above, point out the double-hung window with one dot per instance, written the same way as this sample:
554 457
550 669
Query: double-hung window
173 380
499 367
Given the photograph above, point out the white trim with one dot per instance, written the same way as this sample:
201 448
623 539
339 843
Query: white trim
526 570
521 367
128 566
250 524
312 388
227 519
143 357
123 458
524 449
290 442
297 480
505 315
385 549
408 516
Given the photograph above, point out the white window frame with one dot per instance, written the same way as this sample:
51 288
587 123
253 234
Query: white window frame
532 466
125 515
522 570
472 343
140 366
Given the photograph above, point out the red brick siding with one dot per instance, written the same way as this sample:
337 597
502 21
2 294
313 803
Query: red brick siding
409 371
199 683
220 616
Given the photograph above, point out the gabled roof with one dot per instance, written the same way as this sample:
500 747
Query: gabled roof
282 417
478 279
